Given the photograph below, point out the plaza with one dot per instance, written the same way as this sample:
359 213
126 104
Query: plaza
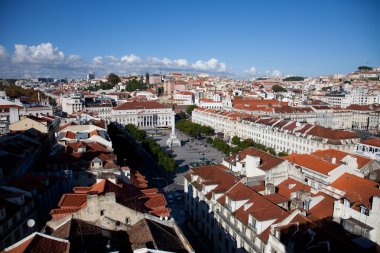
191 151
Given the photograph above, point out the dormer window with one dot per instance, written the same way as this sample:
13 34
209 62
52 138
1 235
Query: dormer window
228 201
252 222
347 203
364 210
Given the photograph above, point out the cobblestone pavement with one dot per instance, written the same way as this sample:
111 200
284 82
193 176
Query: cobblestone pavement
191 150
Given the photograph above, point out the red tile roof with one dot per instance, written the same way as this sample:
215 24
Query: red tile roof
312 162
267 161
147 200
331 134
277 198
70 200
287 187
324 208
217 174
239 192
372 142
40 243
358 190
136 105
329 154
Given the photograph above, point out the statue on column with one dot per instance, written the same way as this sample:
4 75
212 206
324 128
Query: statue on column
173 140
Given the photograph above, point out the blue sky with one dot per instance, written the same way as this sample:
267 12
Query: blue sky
239 38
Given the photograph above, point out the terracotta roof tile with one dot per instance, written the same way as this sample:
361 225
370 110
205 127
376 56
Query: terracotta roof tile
277 198
358 190
329 154
331 134
324 208
40 243
267 161
287 187
239 192
72 200
372 142
136 105
312 162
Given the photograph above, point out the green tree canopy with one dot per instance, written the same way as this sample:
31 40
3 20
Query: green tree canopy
278 88
282 153
294 78
190 109
113 79
365 68
194 129
134 85
235 140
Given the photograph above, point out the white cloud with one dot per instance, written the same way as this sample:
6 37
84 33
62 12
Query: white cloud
276 73
46 60
3 53
73 57
42 53
181 62
130 58
166 61
210 65
251 70
97 60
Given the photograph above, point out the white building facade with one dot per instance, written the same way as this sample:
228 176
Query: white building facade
281 135
148 114
72 104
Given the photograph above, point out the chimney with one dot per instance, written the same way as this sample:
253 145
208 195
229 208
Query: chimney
333 160
251 166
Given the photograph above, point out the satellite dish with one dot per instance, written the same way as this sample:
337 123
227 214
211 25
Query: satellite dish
31 223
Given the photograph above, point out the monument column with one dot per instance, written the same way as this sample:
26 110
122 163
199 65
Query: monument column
173 140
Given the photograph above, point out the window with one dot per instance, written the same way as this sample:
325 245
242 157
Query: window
364 210
253 223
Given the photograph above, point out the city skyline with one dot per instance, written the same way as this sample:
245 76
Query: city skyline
250 39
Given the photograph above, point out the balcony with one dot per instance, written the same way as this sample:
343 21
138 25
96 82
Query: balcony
238 232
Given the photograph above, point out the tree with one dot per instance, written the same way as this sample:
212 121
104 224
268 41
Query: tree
134 84
221 145
182 115
147 78
190 109
247 143
160 90
282 153
294 79
278 88
271 151
365 68
113 79
236 140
